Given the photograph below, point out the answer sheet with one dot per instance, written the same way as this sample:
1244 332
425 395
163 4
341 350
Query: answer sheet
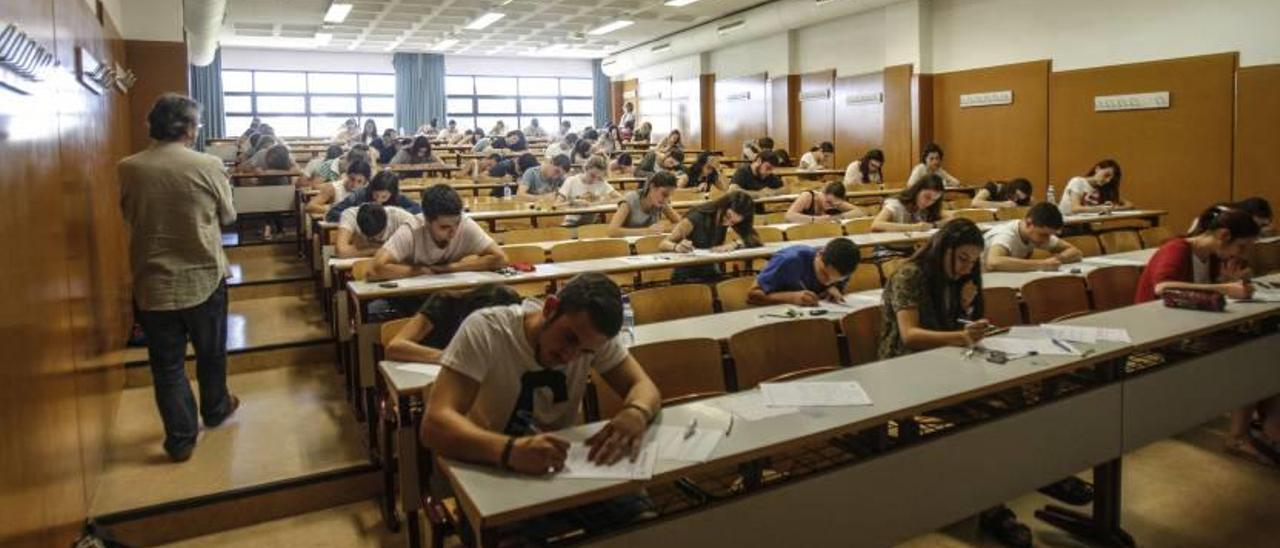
813 394
696 448
576 465
750 406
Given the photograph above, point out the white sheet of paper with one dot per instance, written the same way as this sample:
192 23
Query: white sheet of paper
1015 346
649 258
420 368
813 394
750 406
1266 295
1088 335
1076 333
576 465
1110 261
696 448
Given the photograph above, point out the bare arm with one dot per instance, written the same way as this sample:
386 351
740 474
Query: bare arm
983 199
795 212
882 224
918 338
346 249
385 268
630 379
320 202
756 296
999 260
492 258
405 346
1066 253
616 230
676 240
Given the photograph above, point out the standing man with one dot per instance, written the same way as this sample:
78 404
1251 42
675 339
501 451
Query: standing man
175 201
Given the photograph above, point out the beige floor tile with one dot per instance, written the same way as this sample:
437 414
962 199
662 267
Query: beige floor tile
354 525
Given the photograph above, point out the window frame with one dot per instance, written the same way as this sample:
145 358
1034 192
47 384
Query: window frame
519 114
360 114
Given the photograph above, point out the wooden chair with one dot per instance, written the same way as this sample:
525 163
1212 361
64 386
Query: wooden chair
732 293
770 351
887 268
767 234
1265 258
1086 243
527 254
1113 286
531 235
551 221
581 250
812 231
360 269
686 195
1119 241
975 215
865 276
672 302
1049 298
586 232
1001 306
389 329
1011 213
770 218
862 334
861 225
648 245
682 369
1155 236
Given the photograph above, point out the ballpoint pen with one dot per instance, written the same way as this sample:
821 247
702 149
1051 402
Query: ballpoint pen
692 429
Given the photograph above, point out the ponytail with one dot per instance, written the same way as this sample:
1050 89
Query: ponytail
1238 223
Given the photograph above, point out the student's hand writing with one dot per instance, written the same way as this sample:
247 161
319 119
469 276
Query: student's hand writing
725 248
834 295
923 226
1239 290
1050 264
684 247
975 331
1234 269
539 454
621 437
805 298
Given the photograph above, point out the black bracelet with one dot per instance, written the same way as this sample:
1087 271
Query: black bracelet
506 453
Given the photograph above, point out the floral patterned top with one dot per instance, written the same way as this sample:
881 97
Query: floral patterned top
906 290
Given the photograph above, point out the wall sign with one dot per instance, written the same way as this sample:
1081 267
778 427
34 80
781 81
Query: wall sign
864 98
739 96
816 95
1132 101
987 99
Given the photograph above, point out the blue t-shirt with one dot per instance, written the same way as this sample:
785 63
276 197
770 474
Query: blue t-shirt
791 269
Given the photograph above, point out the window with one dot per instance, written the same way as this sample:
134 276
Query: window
310 104
481 101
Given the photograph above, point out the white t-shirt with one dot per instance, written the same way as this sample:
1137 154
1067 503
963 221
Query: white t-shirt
1006 235
555 149
1079 186
414 245
898 212
920 171
492 349
396 217
853 174
576 188
808 162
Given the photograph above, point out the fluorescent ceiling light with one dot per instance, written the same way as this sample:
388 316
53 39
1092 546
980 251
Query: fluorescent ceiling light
337 13
485 20
730 27
445 44
323 38
606 29
678 3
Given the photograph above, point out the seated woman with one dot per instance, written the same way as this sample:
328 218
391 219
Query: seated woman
818 157
1015 193
357 176
586 189
383 189
812 207
706 227
622 166
917 207
1258 208
646 211
931 164
643 133
581 151
704 174
1096 192
672 142
425 336
865 170
419 152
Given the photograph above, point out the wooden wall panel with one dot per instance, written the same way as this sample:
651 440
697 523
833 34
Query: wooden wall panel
784 112
161 67
615 106
921 115
858 127
999 141
630 93
817 113
707 100
686 110
1177 158
741 111
1256 138
898 124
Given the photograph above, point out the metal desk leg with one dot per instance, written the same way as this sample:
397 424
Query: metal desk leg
387 417
365 335
407 458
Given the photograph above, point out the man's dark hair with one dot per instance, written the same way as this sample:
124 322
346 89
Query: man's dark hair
440 200
841 254
765 143
1045 215
598 296
624 159
562 161
360 167
333 151
371 219
526 161
678 155
172 116
385 180
590 134
769 157
495 157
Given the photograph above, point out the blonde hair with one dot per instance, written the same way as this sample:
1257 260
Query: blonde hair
596 161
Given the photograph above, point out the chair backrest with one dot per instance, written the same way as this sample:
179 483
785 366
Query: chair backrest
732 293
1113 286
975 215
1086 243
777 217
593 231
672 302
679 368
1049 298
589 249
686 195
887 268
959 202
767 234
1117 241
1265 258
767 351
527 254
360 269
861 225
862 334
498 206
1155 236
389 330
531 235
1011 213
649 244
865 276
550 221
811 231
1001 306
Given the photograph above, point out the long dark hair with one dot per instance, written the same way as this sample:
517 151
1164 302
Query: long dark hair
1109 192
420 143
742 204
1238 222
928 182
447 309
942 304
864 164
1000 191
695 171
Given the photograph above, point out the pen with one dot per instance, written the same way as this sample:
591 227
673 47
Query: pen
692 429
527 423
1061 345
730 428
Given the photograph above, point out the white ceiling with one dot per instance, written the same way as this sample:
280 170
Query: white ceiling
416 25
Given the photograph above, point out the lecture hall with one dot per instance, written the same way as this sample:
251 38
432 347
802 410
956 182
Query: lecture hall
640 273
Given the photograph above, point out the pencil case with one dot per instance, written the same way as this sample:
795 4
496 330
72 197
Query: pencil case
1194 299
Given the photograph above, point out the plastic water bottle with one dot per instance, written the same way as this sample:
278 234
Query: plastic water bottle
506 192
1049 195
628 321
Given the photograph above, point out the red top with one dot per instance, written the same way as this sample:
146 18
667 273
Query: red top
1171 263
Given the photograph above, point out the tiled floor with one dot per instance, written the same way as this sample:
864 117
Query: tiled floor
266 321
293 421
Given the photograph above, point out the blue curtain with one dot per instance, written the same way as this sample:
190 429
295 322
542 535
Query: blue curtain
206 87
419 89
603 95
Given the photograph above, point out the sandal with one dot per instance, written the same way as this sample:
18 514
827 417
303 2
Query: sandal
1071 490
1003 524
1248 448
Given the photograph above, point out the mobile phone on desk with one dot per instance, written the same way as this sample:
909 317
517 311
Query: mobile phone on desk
389 285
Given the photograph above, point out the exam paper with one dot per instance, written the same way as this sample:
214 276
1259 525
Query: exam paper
750 406
576 465
420 368
1265 295
696 448
813 394
1112 261
1076 333
1014 346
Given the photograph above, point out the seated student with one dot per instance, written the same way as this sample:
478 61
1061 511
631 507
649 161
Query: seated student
581 151
370 132
621 166
511 169
386 146
449 133
516 141
536 184
258 159
330 153
427 333
419 152
818 157
464 137
481 410
704 174
563 146
1015 193
757 178
276 158
672 142
247 147
478 168
931 164
357 176
610 142
586 189
917 207
490 144
446 241
535 131
383 189
564 130
430 129
866 170
811 207
706 227
643 133
362 230
1258 208
751 149
499 128
333 170
672 162
646 211
1097 191
803 276
1010 245
347 133
784 158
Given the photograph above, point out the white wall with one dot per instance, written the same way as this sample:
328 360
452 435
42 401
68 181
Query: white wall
853 44
769 54
280 59
520 66
157 20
